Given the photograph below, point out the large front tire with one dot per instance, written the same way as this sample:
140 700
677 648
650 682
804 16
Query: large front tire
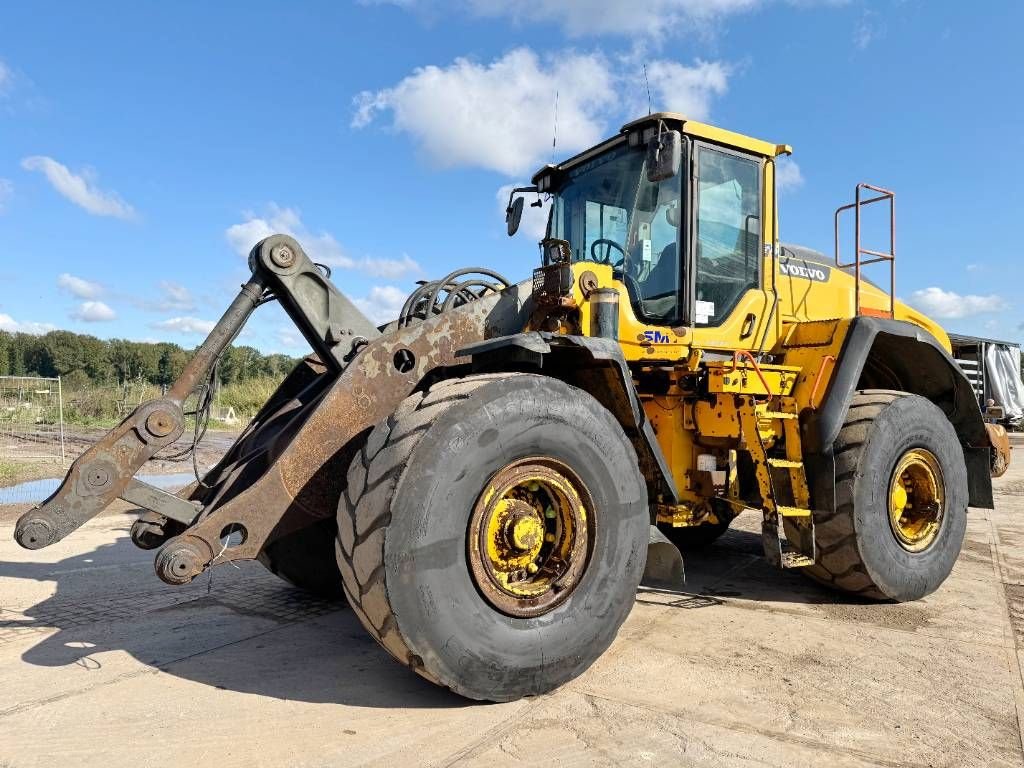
414 565
306 559
901 500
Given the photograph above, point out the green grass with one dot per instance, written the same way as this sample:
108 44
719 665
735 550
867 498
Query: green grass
14 472
106 407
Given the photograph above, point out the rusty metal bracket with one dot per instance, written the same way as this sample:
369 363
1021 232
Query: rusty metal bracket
301 476
329 321
160 501
102 473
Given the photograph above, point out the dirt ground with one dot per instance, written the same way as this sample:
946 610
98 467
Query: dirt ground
103 665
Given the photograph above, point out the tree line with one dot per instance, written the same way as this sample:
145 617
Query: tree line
82 360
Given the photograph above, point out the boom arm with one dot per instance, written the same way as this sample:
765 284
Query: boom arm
331 324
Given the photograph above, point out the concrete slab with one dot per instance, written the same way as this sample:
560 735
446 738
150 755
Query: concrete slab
103 665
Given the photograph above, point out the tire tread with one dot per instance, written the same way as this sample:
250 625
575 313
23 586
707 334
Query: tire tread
365 512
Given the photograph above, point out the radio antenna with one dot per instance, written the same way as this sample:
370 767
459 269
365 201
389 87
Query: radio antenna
648 84
554 138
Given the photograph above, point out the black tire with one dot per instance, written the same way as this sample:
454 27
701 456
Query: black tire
697 537
306 559
858 552
403 522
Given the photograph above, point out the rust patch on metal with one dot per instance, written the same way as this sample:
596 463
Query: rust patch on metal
1001 448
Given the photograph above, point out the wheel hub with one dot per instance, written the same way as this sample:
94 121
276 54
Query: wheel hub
916 500
530 536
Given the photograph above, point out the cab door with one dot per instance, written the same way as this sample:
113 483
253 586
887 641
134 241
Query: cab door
729 305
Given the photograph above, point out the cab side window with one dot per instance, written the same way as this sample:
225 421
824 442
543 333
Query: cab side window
728 232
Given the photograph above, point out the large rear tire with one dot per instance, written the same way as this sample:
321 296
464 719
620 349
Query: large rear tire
693 538
901 500
436 500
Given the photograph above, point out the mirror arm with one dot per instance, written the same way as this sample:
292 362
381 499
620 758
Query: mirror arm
516 191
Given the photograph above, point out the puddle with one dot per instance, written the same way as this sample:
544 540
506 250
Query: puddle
37 490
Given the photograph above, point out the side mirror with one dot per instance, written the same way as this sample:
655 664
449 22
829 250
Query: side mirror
663 154
513 215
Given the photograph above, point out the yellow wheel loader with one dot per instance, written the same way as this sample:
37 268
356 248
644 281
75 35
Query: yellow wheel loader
488 477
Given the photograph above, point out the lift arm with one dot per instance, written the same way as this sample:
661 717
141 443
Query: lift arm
331 324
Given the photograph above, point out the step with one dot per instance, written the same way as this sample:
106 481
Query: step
785 463
778 415
792 511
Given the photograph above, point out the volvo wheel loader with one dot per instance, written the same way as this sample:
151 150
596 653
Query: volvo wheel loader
487 477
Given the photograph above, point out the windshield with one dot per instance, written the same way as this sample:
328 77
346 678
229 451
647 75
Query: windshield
609 213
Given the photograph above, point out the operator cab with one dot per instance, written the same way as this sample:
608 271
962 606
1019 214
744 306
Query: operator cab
675 207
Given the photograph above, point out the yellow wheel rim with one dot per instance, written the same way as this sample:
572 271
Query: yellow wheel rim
530 536
916 500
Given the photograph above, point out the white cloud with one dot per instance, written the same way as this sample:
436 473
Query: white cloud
80 188
383 303
321 246
176 293
689 90
185 325
9 324
868 30
6 193
535 220
947 304
291 338
500 116
173 297
79 287
787 174
390 269
653 18
93 312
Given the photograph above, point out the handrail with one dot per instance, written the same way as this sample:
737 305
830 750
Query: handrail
757 369
859 251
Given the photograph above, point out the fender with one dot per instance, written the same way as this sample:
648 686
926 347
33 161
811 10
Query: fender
893 354
593 364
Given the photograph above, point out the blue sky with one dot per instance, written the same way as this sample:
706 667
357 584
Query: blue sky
145 146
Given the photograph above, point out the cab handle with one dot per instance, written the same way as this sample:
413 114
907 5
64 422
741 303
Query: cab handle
748 325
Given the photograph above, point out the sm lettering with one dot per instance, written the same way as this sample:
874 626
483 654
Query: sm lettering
656 337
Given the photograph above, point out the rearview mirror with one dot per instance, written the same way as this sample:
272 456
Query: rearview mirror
663 153
513 215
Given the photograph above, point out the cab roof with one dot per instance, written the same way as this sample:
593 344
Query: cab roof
711 133
689 127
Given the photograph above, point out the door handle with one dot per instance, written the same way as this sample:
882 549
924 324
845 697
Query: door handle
748 325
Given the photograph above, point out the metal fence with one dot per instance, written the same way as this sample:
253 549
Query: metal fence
31 418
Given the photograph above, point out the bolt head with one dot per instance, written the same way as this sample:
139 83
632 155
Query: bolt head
282 256
160 423
98 477
179 564
35 533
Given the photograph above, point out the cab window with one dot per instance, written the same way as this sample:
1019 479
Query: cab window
728 232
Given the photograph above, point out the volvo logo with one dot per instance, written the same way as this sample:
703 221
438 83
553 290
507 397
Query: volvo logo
805 269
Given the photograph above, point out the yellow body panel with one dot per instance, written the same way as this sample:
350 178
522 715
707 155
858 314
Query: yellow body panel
717 400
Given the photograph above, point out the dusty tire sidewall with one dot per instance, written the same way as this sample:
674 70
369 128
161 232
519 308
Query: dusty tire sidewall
460 638
908 422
